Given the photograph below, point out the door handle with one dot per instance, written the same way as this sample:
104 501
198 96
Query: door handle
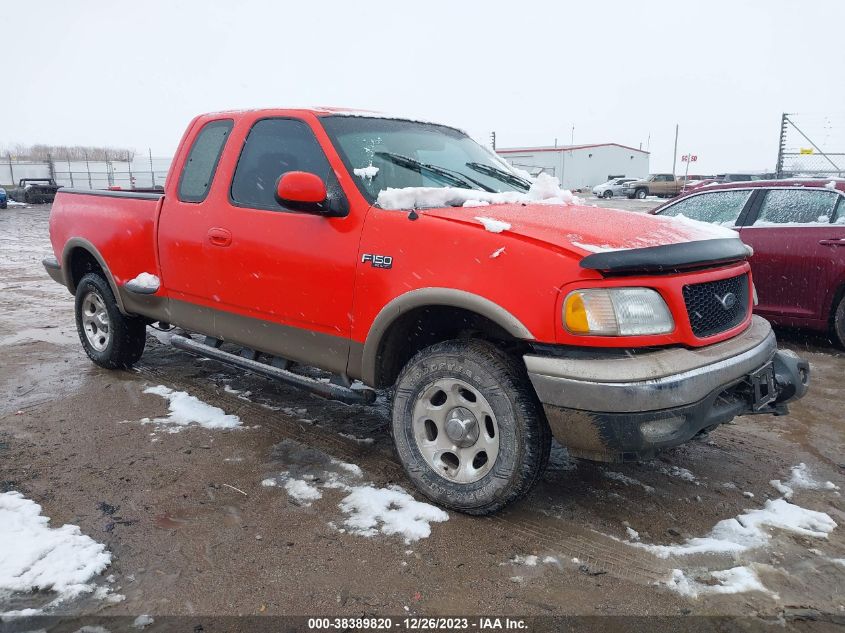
832 242
219 237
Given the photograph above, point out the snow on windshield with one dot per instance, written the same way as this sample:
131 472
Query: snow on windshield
544 190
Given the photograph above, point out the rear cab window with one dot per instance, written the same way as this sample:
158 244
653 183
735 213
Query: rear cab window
716 207
201 164
782 207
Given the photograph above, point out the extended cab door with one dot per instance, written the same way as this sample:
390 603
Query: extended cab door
799 253
284 281
186 222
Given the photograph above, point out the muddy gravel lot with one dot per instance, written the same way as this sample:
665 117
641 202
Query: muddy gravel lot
260 518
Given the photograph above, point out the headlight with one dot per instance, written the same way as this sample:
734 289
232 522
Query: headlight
616 312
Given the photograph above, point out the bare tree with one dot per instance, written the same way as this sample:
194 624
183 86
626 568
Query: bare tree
64 152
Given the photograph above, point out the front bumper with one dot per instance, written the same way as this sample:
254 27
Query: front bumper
628 406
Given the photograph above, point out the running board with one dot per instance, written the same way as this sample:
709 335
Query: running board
324 389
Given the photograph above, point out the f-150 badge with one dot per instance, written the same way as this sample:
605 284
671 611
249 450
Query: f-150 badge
377 261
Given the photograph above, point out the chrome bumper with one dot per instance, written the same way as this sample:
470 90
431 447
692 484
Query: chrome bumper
649 381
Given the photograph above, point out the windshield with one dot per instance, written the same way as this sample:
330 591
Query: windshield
383 153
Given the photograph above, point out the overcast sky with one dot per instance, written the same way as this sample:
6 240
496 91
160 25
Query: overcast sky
132 74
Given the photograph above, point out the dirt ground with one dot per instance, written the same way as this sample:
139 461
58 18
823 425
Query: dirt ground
192 530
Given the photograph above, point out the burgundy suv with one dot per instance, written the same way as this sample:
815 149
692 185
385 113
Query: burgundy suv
797 231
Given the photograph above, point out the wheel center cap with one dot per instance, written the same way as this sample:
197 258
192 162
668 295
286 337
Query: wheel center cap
462 427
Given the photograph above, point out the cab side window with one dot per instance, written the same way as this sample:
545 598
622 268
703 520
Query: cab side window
796 206
273 148
718 207
198 171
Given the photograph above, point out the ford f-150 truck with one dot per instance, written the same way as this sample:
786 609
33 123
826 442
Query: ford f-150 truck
402 255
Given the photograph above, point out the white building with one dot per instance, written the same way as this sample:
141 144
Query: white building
580 166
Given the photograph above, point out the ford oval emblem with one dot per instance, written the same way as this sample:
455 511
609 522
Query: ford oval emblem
728 301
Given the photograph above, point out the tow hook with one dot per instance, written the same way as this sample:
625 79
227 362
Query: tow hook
792 376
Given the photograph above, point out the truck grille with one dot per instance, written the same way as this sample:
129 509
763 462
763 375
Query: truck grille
716 306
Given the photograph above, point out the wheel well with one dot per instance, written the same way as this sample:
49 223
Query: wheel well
80 263
424 326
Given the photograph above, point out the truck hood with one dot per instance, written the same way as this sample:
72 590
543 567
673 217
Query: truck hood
582 229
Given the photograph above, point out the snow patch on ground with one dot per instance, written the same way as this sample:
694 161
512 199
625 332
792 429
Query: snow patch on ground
142 621
628 481
36 557
748 530
389 511
146 281
302 491
801 478
680 473
494 226
186 409
734 580
358 440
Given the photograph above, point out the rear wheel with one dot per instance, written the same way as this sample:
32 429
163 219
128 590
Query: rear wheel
110 338
839 323
468 427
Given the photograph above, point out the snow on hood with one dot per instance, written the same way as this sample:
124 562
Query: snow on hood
544 190
587 229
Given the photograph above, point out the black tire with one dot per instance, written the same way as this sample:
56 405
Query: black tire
524 437
3 205
640 194
838 324
125 336
607 194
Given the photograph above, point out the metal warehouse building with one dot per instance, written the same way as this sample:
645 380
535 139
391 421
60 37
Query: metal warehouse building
579 166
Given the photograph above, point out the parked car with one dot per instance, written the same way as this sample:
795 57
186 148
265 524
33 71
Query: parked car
797 230
34 190
611 187
406 256
660 185
4 198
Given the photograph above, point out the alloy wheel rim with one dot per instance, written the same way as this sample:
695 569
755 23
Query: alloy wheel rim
456 430
95 321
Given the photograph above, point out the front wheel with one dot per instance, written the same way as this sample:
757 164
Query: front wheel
607 194
110 338
641 194
468 427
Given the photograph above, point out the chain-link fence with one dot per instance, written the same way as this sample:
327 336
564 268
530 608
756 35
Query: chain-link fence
146 172
812 145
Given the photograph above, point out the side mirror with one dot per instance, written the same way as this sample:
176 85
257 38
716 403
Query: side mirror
302 191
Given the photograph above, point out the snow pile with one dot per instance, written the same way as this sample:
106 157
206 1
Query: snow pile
494 226
801 478
368 173
146 281
35 557
747 531
530 561
389 511
680 473
831 184
544 190
186 409
734 580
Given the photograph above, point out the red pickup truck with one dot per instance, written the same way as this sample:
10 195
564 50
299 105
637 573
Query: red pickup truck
400 254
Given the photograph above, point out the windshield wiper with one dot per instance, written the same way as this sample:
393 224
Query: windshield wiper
449 175
500 174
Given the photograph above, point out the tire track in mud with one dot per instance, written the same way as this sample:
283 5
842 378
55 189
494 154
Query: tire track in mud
600 553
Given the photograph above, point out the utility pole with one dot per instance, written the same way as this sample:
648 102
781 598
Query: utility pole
675 153
493 139
572 136
153 174
88 169
69 170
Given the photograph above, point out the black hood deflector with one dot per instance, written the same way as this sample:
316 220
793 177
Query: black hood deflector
669 258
